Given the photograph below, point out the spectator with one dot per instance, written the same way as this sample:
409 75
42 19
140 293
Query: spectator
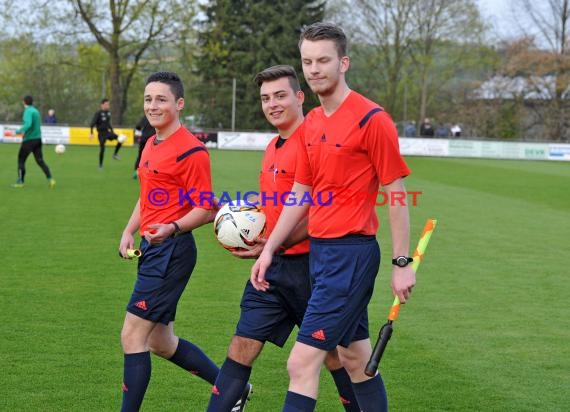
442 131
410 129
426 130
456 130
50 118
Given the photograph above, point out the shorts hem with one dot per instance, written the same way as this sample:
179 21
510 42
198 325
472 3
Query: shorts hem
150 318
326 346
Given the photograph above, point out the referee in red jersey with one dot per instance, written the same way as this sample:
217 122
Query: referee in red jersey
271 316
173 159
350 147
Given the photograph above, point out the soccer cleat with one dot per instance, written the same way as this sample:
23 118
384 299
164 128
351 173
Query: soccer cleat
116 157
245 396
17 185
51 183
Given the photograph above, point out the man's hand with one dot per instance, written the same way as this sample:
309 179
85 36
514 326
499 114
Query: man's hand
159 233
258 270
252 253
215 209
127 242
403 280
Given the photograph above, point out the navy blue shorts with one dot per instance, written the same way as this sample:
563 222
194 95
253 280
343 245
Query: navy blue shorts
343 272
272 315
163 272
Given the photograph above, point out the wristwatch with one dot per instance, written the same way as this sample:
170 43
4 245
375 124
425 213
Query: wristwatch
177 230
402 261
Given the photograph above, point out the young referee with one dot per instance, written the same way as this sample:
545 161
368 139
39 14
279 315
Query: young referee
173 159
350 146
271 316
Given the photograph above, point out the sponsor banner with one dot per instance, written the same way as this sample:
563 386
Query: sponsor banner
80 135
532 151
559 152
55 135
498 150
244 141
63 134
8 133
424 147
209 139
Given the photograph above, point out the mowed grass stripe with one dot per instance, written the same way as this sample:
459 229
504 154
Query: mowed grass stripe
538 182
487 303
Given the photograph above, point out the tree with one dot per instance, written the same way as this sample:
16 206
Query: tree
381 34
547 54
439 22
50 75
407 53
125 30
239 38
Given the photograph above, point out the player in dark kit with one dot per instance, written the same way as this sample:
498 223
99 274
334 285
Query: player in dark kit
102 122
174 159
271 316
350 146
144 131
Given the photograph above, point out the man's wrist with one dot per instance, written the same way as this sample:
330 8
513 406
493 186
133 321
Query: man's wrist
176 226
269 247
402 261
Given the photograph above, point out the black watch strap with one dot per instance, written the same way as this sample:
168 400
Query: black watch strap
402 261
176 227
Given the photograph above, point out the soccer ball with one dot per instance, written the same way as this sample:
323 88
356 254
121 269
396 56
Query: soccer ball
121 138
59 149
237 224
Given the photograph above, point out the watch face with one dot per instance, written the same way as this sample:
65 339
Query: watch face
401 261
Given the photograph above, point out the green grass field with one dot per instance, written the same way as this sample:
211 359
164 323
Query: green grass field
487 328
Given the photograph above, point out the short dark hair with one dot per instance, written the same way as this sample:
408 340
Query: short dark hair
104 100
171 79
278 72
28 100
325 31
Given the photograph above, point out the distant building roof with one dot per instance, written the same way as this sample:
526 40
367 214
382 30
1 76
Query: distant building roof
531 88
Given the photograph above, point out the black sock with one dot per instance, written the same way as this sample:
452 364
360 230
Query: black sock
136 375
372 394
190 357
229 386
295 402
345 390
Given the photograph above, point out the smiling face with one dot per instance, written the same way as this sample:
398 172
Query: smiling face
162 108
282 106
323 68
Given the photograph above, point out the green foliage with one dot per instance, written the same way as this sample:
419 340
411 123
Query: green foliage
238 39
508 122
486 317
63 77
